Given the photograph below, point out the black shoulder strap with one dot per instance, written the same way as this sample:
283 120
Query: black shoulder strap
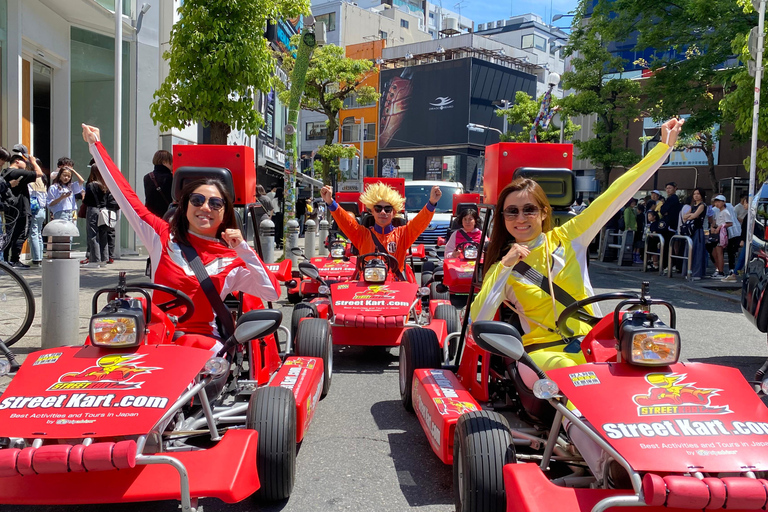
467 238
380 247
542 281
158 188
226 322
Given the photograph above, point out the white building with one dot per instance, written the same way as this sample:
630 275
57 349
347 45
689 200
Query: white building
542 42
352 23
436 21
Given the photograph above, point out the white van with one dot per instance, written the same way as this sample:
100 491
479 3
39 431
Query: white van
417 195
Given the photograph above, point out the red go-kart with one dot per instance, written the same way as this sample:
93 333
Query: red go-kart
135 415
379 307
336 267
633 429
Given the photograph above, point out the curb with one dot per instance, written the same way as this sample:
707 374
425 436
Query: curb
643 276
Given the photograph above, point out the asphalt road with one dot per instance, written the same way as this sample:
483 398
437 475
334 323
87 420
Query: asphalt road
363 451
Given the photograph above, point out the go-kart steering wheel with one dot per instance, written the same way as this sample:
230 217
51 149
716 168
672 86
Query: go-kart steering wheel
575 310
180 299
392 264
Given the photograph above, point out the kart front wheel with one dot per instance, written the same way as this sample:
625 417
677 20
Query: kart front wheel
452 323
436 295
482 445
419 349
313 339
301 311
272 413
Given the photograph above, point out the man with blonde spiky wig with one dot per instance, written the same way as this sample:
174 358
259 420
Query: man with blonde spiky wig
383 202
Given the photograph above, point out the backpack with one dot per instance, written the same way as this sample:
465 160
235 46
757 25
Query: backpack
622 224
34 205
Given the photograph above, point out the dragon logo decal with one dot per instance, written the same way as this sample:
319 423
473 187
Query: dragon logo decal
116 371
669 395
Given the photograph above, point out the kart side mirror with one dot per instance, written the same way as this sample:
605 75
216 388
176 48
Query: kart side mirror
309 270
251 325
440 241
498 338
432 253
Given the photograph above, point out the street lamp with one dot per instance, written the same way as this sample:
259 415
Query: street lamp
561 16
479 128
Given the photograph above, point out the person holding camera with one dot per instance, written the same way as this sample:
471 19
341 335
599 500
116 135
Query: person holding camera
22 171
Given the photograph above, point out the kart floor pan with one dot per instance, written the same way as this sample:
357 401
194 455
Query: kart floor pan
227 472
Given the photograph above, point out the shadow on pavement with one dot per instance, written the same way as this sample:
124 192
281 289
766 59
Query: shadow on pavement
423 479
357 359
747 365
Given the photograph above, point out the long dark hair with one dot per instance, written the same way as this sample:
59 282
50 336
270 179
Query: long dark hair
180 224
57 179
95 177
467 213
501 238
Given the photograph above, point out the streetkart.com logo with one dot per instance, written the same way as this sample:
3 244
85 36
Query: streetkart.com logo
670 396
375 292
110 372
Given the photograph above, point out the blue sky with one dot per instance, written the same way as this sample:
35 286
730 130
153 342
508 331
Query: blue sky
483 11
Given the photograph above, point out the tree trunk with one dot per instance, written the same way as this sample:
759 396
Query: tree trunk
605 178
712 176
333 126
219 132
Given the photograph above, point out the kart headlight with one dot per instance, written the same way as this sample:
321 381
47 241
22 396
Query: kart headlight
470 252
323 290
424 291
763 385
215 367
117 330
375 274
544 389
337 251
5 367
652 348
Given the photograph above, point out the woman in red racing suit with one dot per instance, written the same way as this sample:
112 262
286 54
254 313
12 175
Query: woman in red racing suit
205 220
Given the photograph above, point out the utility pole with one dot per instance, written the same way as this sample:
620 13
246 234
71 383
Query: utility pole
759 5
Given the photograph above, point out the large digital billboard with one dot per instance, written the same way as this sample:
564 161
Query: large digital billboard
425 105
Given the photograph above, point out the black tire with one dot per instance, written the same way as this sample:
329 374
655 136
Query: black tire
419 349
426 277
17 304
272 413
294 298
427 270
482 445
300 311
436 295
452 323
313 339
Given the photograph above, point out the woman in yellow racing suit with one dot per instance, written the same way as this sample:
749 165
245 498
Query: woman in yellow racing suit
522 232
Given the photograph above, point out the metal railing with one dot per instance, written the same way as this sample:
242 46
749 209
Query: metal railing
660 254
686 256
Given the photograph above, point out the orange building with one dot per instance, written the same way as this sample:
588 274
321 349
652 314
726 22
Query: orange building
353 115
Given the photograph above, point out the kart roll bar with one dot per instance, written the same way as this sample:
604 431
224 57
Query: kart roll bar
477 278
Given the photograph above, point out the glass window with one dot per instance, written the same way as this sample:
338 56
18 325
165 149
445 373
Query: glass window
110 4
534 41
329 20
351 102
370 168
350 133
404 23
431 15
404 168
370 131
382 34
316 131
450 167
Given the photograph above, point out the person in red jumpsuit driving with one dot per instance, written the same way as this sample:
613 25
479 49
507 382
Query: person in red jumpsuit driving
384 203
205 219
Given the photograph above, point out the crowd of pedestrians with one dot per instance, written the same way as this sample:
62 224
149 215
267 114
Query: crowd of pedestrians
717 230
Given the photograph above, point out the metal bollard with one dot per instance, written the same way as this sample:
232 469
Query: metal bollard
61 286
267 235
292 241
310 238
323 249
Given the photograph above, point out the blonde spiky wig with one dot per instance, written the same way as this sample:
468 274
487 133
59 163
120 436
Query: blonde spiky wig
377 192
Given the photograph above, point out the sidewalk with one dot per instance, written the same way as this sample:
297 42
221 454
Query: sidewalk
726 290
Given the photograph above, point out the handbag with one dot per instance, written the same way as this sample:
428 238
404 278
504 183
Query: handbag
713 238
82 211
687 228
107 218
723 241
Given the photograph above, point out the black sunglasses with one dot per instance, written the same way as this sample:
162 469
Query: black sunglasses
378 208
529 210
198 200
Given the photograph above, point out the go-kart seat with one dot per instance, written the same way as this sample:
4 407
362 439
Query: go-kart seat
184 175
455 224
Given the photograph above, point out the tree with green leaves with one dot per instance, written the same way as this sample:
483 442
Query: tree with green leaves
218 59
692 66
600 91
738 104
523 113
332 77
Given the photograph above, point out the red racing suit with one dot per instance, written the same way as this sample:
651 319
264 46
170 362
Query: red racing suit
396 241
238 269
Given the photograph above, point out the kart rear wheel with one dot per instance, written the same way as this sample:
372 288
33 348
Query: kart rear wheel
436 295
272 413
482 445
300 311
452 323
313 339
419 349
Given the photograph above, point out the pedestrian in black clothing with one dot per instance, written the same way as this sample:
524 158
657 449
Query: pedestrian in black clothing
158 183
22 171
670 213
96 233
